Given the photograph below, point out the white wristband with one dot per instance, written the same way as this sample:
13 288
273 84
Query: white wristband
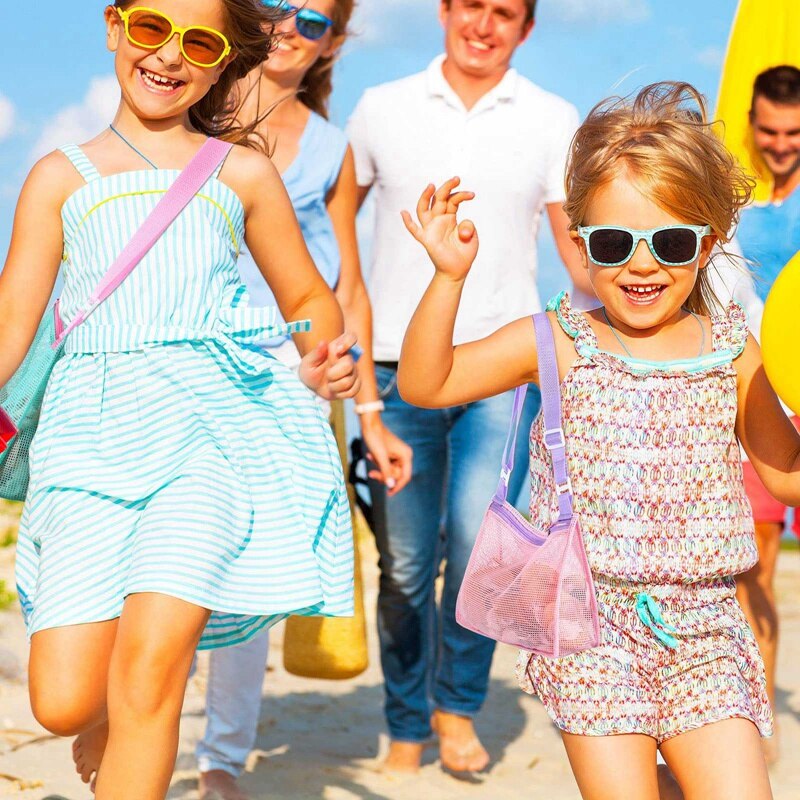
365 408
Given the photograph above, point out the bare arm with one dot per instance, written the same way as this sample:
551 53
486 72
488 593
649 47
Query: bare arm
432 372
34 257
570 255
351 291
392 455
276 243
766 433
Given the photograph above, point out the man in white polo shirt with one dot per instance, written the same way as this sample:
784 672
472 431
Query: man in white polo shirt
468 114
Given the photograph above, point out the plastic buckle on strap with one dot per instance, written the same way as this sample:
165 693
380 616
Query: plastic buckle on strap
505 474
564 488
559 443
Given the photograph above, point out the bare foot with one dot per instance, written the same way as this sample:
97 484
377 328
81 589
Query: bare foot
216 784
403 757
87 752
460 749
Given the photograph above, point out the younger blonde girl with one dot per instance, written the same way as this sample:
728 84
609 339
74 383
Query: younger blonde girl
658 388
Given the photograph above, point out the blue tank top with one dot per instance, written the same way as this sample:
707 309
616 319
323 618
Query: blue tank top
308 180
769 235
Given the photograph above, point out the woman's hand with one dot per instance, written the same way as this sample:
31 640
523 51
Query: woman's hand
330 370
451 246
390 454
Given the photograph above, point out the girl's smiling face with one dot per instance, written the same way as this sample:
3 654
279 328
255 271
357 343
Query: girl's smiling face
161 84
620 202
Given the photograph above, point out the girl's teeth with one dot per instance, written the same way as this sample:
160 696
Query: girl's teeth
158 81
643 292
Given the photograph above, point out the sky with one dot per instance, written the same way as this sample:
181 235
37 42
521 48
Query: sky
58 84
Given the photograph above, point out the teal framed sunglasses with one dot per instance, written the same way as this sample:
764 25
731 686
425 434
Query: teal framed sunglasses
671 245
310 24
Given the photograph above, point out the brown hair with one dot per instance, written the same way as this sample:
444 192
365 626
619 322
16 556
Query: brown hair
663 140
780 85
530 9
250 28
317 85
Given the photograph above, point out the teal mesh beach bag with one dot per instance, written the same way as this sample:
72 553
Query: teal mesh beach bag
21 398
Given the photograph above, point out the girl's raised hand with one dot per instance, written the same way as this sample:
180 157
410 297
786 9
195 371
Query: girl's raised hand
451 246
330 370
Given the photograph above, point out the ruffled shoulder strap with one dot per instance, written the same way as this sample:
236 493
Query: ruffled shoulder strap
574 324
730 330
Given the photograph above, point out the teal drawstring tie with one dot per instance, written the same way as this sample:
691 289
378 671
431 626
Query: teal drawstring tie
650 614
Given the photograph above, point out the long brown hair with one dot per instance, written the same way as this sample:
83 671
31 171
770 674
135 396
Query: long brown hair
663 140
250 28
317 85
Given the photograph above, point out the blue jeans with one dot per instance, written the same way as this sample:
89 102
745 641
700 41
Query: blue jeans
429 661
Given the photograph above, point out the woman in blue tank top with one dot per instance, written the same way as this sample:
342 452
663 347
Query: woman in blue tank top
317 167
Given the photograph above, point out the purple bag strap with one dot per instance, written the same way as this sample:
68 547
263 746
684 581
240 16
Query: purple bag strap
176 198
550 386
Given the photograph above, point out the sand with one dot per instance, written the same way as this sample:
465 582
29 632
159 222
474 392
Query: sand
321 739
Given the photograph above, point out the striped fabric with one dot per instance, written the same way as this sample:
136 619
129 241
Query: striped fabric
175 455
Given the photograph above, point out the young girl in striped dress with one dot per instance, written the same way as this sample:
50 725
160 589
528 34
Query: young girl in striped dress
658 384
185 487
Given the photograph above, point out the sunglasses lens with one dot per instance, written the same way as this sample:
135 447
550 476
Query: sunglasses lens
610 246
310 26
203 47
675 246
148 29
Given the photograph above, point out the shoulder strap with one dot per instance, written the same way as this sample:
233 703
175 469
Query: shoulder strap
80 161
177 197
550 386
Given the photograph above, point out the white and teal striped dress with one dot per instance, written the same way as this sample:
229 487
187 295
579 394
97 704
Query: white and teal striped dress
174 455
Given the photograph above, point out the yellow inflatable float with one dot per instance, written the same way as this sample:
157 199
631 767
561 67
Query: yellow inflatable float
780 335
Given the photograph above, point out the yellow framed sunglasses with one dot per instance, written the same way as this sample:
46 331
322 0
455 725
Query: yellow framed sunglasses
152 29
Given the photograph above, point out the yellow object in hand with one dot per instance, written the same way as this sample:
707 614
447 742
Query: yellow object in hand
780 335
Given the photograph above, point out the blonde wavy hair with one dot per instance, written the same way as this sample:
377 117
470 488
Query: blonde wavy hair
662 139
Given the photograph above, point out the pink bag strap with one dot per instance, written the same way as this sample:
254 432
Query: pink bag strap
177 197
550 386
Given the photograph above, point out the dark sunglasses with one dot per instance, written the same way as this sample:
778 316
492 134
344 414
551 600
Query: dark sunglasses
671 245
310 24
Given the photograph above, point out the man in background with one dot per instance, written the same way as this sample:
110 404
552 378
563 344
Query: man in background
469 114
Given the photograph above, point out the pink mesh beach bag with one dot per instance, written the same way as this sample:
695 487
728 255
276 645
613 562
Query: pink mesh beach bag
526 587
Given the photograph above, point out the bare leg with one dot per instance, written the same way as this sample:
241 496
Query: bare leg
613 767
156 641
756 594
68 677
460 749
721 761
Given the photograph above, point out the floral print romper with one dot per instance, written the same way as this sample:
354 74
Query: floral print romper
657 482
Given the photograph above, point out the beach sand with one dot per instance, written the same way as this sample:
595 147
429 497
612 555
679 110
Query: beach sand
320 739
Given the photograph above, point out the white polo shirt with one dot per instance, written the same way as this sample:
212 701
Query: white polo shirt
510 149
